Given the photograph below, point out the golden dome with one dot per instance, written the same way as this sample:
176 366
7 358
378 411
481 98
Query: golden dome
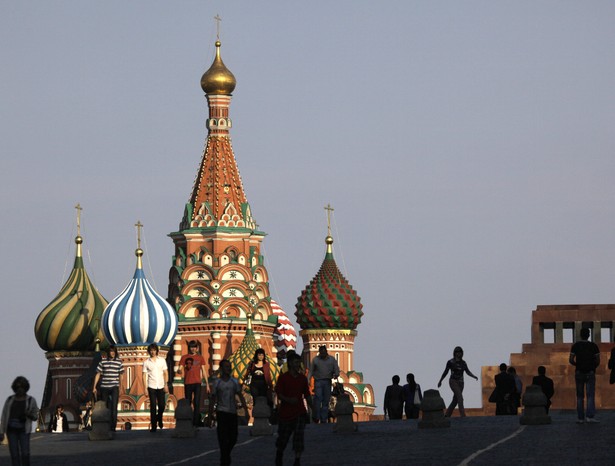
218 79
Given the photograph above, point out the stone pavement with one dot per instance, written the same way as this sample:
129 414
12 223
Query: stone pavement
472 441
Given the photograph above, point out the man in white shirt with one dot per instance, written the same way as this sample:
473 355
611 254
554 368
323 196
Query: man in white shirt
155 377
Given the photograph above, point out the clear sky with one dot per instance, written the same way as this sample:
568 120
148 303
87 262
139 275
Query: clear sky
466 146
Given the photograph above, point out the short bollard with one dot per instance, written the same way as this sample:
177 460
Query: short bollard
183 420
534 407
344 410
432 408
261 413
101 422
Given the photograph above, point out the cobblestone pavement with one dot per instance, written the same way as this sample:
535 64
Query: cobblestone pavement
473 441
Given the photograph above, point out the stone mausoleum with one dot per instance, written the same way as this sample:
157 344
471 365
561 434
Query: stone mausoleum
554 329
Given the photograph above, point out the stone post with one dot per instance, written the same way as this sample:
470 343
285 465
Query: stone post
534 407
344 410
101 422
261 413
183 420
432 408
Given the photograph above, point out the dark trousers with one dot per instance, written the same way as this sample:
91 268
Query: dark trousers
412 411
110 396
19 447
294 427
156 397
457 389
228 431
193 395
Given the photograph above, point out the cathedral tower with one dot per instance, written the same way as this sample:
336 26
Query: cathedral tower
329 311
132 320
69 330
218 276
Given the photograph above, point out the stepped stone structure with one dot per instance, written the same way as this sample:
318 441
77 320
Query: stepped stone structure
554 329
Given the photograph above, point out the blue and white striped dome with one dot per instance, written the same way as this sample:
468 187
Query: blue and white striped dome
139 315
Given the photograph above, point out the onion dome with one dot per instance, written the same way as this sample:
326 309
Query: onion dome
139 315
245 353
71 322
329 301
218 79
285 335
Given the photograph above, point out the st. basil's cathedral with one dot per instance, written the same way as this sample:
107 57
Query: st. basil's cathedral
218 295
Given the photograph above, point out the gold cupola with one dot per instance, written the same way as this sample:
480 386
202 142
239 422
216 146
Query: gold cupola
218 79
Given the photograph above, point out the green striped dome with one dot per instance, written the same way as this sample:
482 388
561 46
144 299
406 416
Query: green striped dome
71 322
245 353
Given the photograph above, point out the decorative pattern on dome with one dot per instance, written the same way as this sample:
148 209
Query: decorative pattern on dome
218 79
71 322
285 335
329 302
245 353
139 315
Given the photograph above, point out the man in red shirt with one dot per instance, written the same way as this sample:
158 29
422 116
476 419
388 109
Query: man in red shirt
293 393
192 366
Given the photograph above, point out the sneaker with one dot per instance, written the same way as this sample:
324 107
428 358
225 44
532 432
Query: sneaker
591 420
580 421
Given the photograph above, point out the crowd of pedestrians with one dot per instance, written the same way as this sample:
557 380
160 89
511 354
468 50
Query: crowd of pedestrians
299 395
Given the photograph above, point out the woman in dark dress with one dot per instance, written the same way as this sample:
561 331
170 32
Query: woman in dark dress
259 375
412 397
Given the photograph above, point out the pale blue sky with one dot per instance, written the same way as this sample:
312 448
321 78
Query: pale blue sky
466 146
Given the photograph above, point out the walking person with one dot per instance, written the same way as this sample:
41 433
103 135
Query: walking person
258 377
413 396
457 366
192 367
394 399
225 393
293 394
108 373
546 385
585 356
323 369
58 422
18 413
505 390
518 387
155 378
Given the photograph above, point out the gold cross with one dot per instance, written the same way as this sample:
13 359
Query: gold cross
139 225
329 209
218 19
79 209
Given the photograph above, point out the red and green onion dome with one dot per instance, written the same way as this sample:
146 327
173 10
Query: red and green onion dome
242 356
329 302
71 322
